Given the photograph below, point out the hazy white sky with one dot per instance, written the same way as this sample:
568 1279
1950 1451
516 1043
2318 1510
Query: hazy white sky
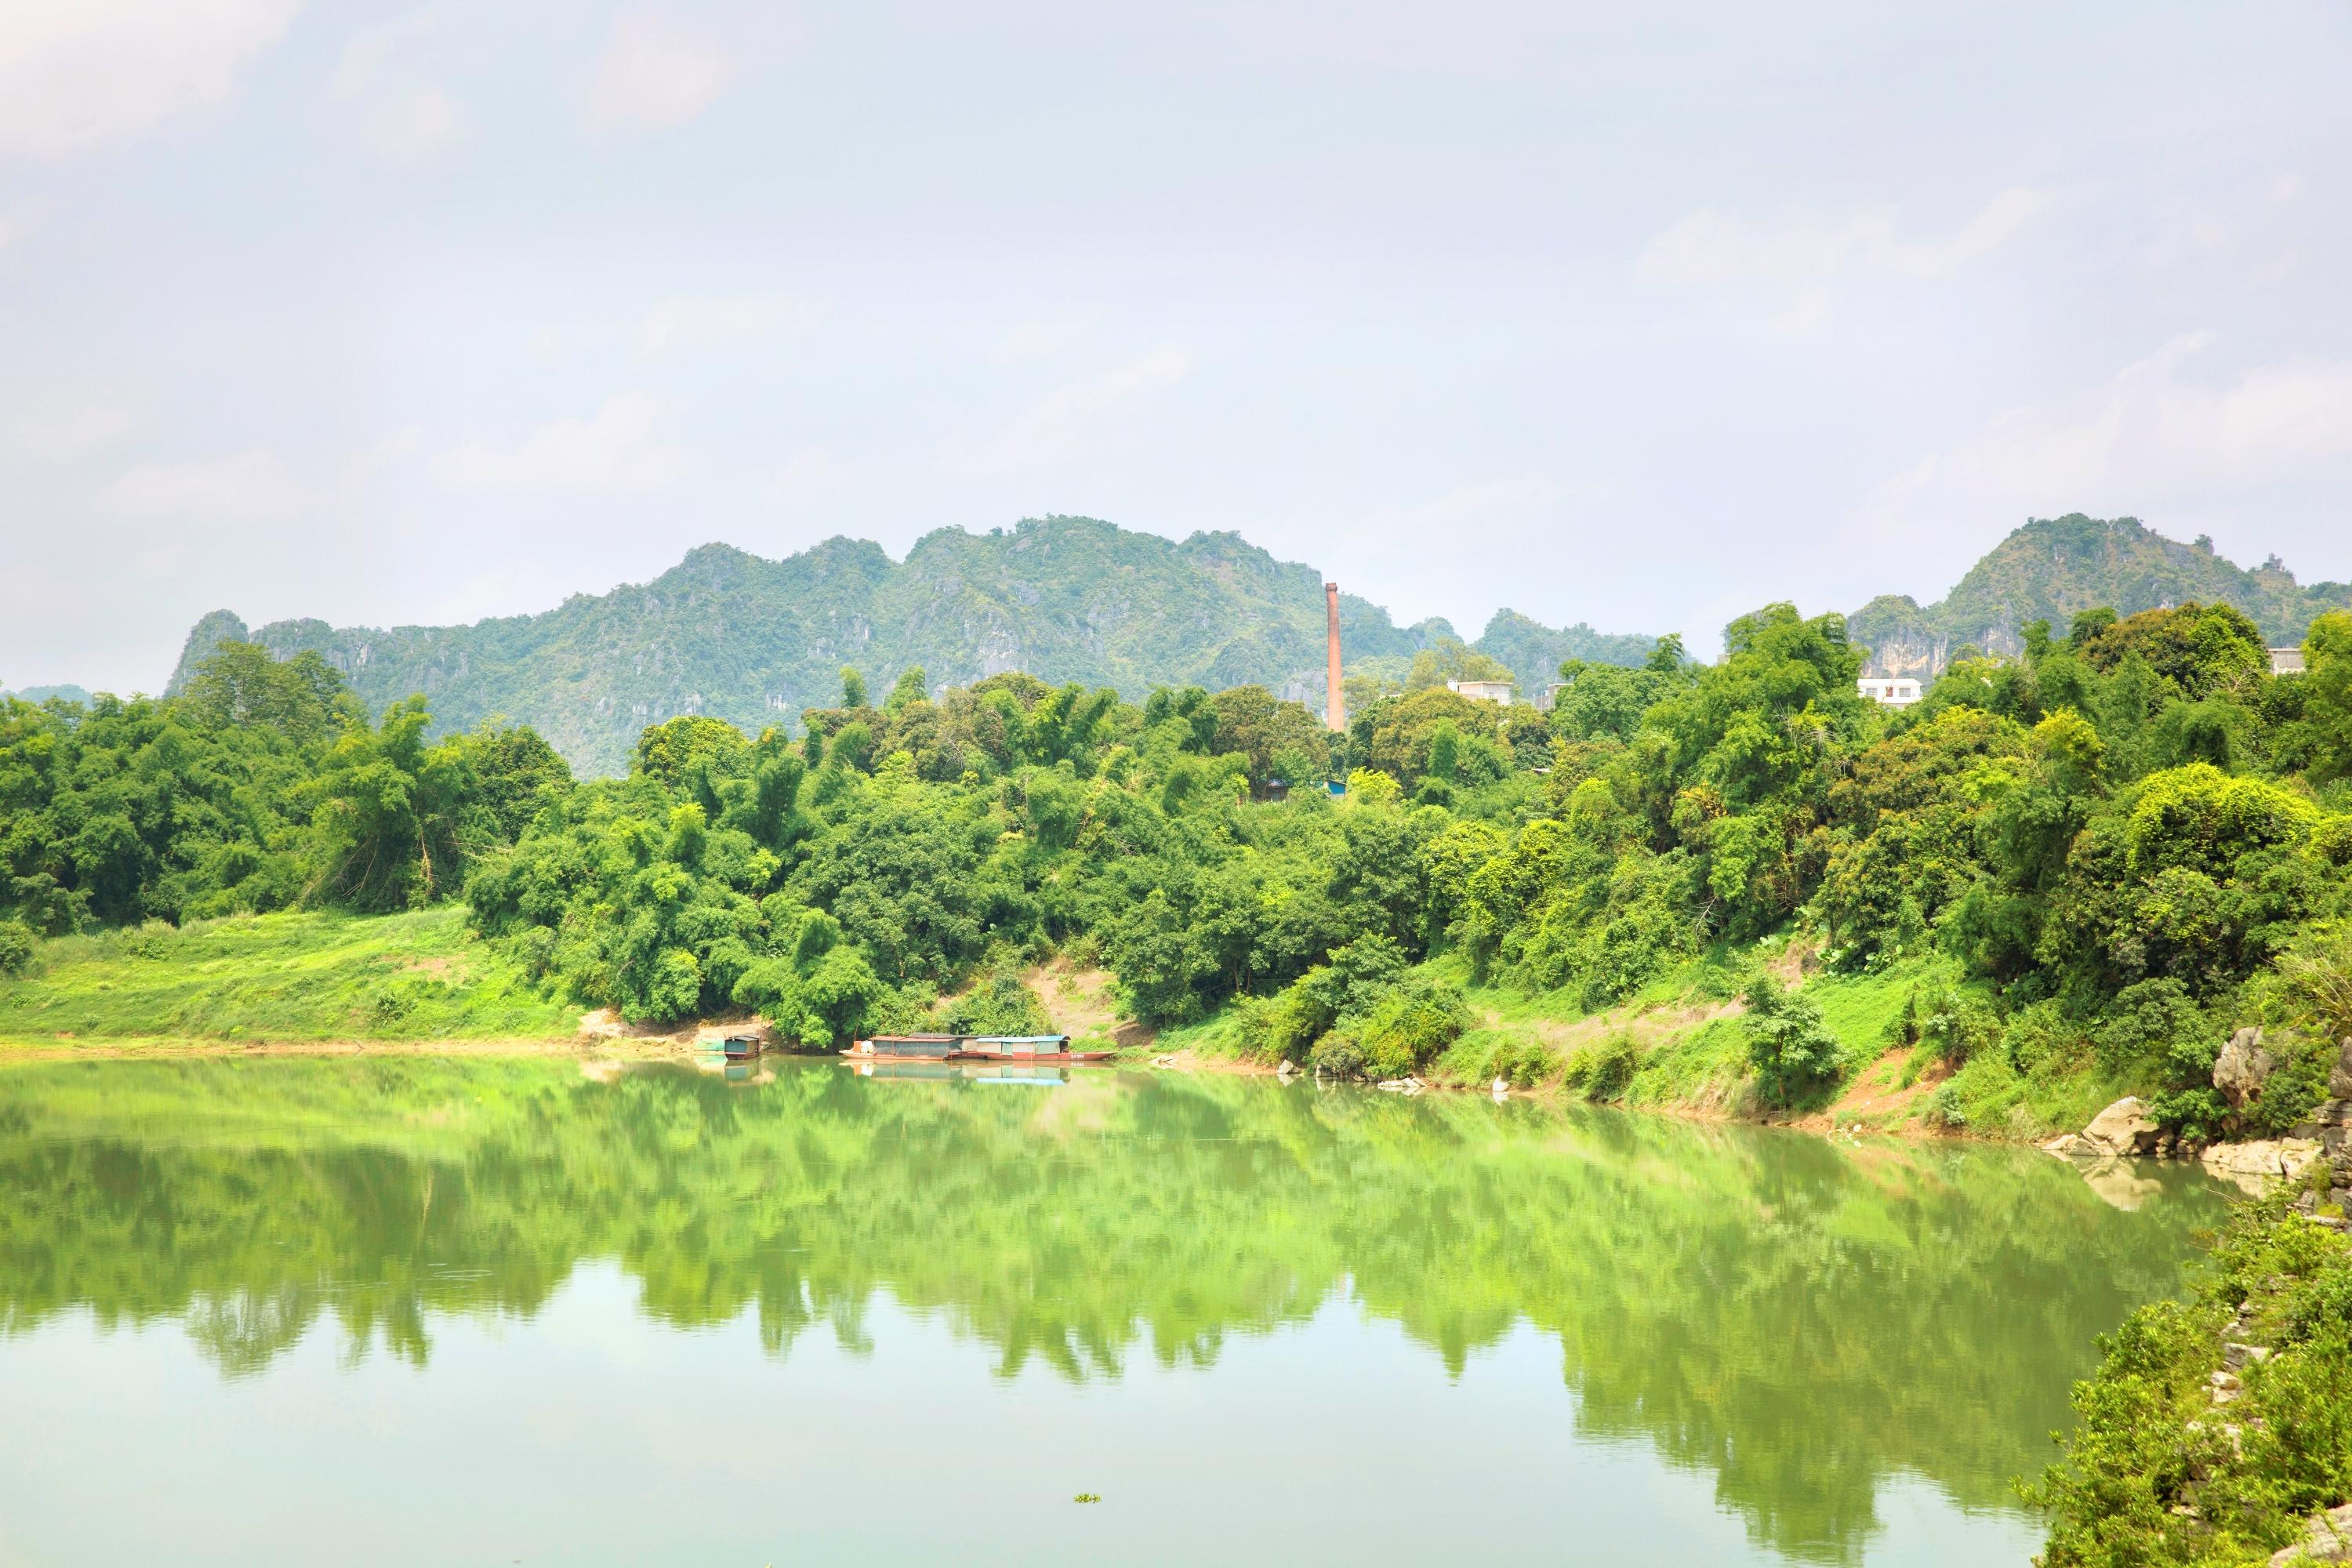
1626 314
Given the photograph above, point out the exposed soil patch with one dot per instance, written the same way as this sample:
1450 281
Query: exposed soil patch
1876 1096
1085 1001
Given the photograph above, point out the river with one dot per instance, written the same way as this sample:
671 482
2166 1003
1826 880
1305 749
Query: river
396 1310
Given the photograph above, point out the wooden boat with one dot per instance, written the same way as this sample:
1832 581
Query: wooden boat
1043 1058
1045 1050
740 1048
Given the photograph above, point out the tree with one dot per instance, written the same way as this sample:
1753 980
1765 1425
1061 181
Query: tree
241 684
853 688
383 815
666 751
2327 701
1790 1047
1451 658
909 689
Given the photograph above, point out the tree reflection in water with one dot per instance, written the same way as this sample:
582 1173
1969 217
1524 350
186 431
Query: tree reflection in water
1803 1319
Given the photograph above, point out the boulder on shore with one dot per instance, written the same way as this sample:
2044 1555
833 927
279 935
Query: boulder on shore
2242 1069
2330 1122
2327 1539
2254 1165
2124 1128
2339 1082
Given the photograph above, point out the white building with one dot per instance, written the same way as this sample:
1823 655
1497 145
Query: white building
1889 690
1483 690
2286 661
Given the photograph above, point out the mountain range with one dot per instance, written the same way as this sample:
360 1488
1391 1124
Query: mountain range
754 641
2052 568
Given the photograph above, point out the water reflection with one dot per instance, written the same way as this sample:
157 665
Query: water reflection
1806 1323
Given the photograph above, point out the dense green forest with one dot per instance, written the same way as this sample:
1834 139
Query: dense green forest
2096 857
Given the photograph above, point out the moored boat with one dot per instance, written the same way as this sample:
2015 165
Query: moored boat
1046 1050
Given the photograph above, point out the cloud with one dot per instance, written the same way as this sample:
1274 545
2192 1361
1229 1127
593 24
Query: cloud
686 324
1715 246
1051 431
2154 434
621 449
82 74
382 95
656 72
69 435
1472 37
1047 335
810 476
252 486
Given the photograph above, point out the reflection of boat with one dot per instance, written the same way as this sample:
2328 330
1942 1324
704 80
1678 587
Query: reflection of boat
1051 1050
1044 1070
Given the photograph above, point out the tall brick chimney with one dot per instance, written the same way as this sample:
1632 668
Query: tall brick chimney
1334 705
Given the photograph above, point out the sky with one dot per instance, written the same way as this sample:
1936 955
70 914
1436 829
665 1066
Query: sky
1630 315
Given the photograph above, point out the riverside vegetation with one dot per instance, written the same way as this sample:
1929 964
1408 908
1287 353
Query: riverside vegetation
2066 874
2061 876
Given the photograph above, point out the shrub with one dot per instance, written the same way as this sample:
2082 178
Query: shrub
2318 974
2040 1033
2149 1021
1522 1063
1000 1004
1409 1025
1789 1046
1603 1069
15 948
1338 1055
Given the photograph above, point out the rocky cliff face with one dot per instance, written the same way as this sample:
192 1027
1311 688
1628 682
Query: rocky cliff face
754 641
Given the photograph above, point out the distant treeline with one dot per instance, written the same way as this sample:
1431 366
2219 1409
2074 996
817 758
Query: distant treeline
2111 837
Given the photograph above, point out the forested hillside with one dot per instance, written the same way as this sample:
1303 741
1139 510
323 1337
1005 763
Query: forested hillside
2051 570
734 636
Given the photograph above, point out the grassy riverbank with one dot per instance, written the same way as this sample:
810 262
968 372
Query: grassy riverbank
1678 1044
279 977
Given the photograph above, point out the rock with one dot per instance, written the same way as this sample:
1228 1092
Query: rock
2242 1069
2237 1354
1502 1086
2124 1128
1284 1068
2226 1386
2339 1082
2071 1146
2119 1184
2254 1165
2327 1538
2329 1123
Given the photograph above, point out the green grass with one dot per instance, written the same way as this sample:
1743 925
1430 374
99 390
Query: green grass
1692 1054
290 977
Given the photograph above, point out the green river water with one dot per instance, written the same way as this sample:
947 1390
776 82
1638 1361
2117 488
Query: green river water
510 1311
